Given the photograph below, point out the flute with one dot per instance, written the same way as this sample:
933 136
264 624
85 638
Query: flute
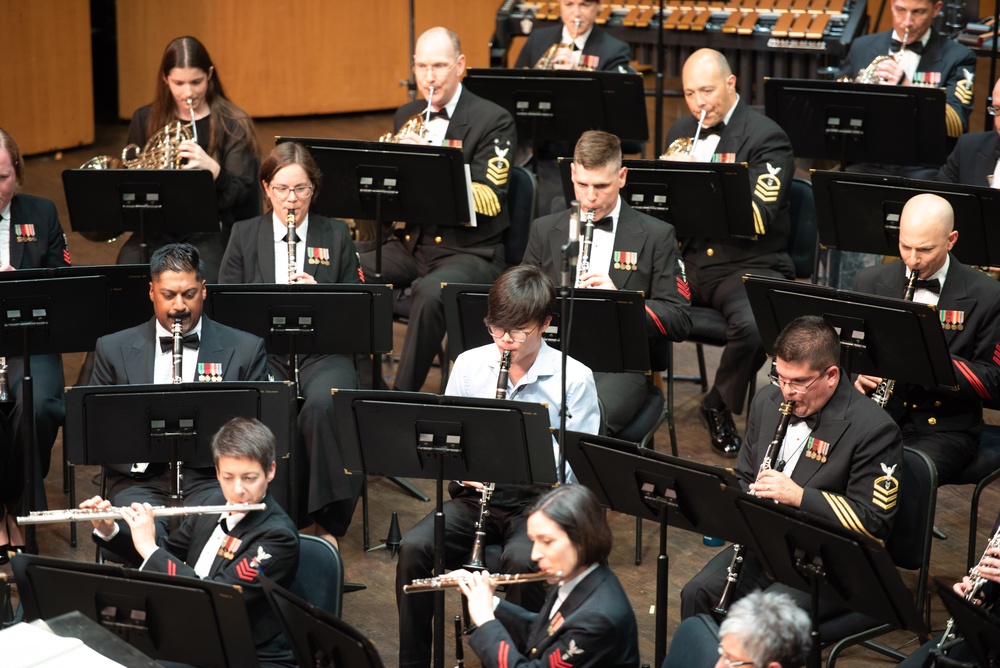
446 582
115 513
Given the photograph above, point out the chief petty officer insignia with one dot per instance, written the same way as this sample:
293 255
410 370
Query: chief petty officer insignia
768 185
25 233
964 88
498 167
209 372
886 488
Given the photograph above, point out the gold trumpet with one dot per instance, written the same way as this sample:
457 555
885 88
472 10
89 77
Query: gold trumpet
440 582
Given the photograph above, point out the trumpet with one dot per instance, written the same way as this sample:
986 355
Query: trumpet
884 390
976 582
178 351
586 244
292 263
440 582
115 513
416 124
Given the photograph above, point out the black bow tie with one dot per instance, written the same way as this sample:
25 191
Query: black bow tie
224 525
916 47
716 129
443 114
810 420
933 285
607 224
285 238
189 340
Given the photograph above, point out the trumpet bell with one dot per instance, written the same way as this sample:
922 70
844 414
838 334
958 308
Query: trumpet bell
679 146
414 124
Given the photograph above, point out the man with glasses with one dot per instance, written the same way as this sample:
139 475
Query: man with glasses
975 160
424 256
837 461
520 305
944 424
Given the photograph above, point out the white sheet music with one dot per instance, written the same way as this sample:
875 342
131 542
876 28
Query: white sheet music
28 646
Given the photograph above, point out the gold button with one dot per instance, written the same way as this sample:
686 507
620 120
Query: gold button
710 252
534 650
437 240
937 404
407 237
904 405
932 421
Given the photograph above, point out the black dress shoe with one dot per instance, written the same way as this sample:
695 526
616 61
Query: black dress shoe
722 431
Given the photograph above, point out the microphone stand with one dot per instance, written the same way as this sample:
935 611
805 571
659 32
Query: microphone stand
570 252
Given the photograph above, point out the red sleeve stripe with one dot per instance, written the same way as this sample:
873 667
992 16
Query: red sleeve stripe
555 660
502 653
977 384
171 567
656 321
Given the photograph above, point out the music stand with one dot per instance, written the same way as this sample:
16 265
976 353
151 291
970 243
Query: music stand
120 424
609 326
141 200
143 608
849 122
422 435
881 336
316 636
669 490
707 200
979 628
860 212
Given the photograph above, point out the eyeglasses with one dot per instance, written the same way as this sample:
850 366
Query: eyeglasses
994 110
439 69
302 192
795 388
732 664
516 335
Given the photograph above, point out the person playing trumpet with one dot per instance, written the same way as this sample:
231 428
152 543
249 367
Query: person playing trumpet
581 42
520 305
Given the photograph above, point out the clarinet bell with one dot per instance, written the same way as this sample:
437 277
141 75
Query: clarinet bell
395 536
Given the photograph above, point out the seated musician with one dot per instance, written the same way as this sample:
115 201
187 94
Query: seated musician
839 448
144 354
233 550
733 132
944 424
587 619
929 59
428 255
653 265
259 252
974 160
30 238
581 44
520 304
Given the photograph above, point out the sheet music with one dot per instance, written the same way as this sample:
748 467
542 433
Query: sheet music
29 646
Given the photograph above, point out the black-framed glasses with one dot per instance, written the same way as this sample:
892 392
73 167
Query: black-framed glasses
994 110
730 663
795 388
302 192
516 335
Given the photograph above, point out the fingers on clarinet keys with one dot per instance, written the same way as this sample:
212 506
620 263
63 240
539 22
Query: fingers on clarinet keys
722 431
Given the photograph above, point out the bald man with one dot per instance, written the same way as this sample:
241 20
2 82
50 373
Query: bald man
946 425
976 156
733 132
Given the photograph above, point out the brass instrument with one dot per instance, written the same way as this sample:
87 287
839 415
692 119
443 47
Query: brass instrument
476 561
868 76
550 58
417 124
739 551
194 126
290 238
586 244
178 351
440 582
685 145
115 513
884 390
976 583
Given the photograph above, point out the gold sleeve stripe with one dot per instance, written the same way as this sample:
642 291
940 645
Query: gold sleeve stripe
758 220
953 122
485 200
845 513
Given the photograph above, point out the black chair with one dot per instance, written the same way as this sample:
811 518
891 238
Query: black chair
909 545
319 579
522 206
695 643
981 472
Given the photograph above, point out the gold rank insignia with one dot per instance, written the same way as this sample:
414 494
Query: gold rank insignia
485 200
498 167
952 320
964 88
768 185
886 488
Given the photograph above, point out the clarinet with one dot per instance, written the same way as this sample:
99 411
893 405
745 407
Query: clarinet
585 246
948 640
476 558
739 551
292 265
178 355
884 390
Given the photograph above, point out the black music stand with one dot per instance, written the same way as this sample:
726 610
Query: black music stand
860 212
609 330
979 628
421 435
880 336
707 200
849 122
141 200
669 490
120 424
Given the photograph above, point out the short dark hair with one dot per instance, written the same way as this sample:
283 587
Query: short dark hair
521 295
7 142
244 438
770 627
290 153
809 339
596 149
182 258
578 512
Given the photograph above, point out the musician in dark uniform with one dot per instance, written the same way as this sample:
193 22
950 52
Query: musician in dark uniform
732 132
226 145
592 48
630 251
143 355
250 544
840 455
427 255
945 425
520 305
587 619
30 238
976 155
258 252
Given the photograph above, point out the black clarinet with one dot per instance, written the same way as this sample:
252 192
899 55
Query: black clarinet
739 551
884 390
178 351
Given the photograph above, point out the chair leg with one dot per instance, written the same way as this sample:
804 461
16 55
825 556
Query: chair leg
69 481
638 541
366 534
700 350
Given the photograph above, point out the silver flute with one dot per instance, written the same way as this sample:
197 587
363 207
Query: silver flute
115 513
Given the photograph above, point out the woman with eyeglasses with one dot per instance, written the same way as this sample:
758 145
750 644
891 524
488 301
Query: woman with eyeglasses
259 252
188 88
